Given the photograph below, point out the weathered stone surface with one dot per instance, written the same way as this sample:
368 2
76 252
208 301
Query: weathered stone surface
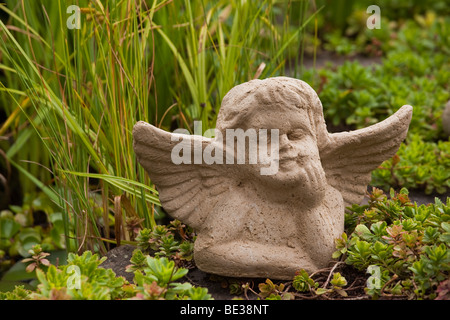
251 224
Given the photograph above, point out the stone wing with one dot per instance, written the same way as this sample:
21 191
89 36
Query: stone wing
348 158
187 192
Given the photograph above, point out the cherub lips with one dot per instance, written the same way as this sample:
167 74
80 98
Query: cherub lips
291 157
288 161
288 158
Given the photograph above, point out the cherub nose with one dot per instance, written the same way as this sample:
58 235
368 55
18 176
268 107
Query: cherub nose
284 142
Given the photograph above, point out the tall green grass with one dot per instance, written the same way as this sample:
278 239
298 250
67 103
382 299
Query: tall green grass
73 96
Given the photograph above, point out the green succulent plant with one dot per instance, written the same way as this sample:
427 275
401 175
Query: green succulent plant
417 165
408 244
37 222
83 278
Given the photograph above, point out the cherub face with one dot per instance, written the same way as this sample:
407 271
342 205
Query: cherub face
299 166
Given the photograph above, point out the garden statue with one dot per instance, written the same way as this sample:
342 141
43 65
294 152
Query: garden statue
273 203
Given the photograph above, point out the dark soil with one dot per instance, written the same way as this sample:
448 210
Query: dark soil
119 258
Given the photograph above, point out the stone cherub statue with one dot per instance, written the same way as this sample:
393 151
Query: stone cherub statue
251 224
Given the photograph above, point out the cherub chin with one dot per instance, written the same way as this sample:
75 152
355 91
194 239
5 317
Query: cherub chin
269 225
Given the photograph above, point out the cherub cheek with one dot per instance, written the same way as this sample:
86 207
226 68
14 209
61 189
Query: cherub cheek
316 177
305 146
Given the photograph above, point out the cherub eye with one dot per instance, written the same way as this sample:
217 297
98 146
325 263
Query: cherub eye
295 135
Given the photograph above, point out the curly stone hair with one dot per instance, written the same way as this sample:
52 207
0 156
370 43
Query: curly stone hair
271 96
